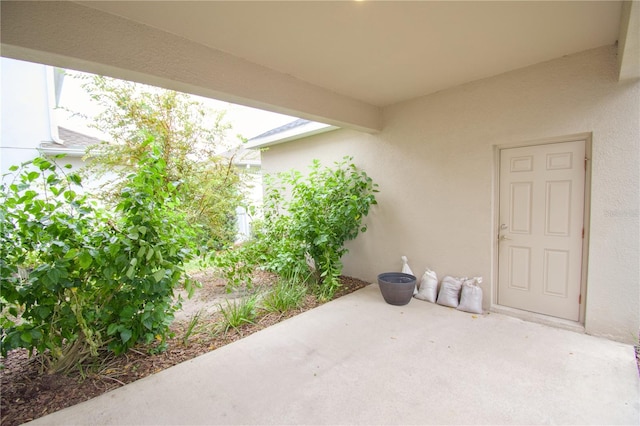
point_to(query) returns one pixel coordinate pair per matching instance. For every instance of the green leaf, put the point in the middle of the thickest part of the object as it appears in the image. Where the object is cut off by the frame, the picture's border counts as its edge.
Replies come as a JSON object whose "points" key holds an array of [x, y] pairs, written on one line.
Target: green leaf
{"points": [[127, 312], [43, 311], [125, 335], [54, 275], [85, 259], [74, 178], [44, 164], [130, 272], [111, 330], [26, 337], [69, 195], [70, 254], [159, 275]]}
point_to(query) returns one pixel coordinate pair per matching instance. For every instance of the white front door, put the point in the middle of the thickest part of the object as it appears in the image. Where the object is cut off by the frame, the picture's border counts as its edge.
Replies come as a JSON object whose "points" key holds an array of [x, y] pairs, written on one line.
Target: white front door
{"points": [[541, 228]]}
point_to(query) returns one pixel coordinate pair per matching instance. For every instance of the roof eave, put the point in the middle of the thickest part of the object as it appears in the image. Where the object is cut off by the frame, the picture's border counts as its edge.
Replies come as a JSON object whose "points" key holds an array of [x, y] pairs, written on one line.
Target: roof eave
{"points": [[310, 129], [69, 152]]}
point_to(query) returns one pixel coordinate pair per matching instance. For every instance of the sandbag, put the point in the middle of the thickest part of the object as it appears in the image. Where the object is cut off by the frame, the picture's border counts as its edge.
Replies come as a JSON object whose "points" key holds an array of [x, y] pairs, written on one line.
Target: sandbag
{"points": [[449, 294], [428, 289], [407, 270], [471, 297]]}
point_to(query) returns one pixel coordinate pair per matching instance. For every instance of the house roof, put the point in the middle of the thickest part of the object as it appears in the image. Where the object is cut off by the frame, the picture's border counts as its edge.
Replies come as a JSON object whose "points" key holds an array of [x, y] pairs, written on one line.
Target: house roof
{"points": [[75, 139], [73, 143], [335, 62], [278, 130], [296, 129]]}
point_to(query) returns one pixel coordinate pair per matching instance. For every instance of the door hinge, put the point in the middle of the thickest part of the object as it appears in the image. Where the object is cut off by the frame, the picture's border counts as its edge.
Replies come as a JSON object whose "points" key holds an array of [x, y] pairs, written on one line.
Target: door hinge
{"points": [[579, 299], [585, 163], [583, 233]]}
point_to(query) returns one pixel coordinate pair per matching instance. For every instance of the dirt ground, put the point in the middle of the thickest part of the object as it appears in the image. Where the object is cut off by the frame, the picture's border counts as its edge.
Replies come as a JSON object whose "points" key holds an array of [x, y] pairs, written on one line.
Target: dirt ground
{"points": [[28, 393]]}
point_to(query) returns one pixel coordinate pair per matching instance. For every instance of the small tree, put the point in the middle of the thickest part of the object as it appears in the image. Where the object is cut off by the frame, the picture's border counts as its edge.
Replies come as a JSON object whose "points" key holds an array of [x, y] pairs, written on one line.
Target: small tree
{"points": [[190, 138]]}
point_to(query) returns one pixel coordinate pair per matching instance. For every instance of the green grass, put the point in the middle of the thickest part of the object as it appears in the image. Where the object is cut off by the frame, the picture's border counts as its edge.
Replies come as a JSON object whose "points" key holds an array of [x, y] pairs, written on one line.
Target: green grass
{"points": [[239, 312], [190, 327], [284, 296]]}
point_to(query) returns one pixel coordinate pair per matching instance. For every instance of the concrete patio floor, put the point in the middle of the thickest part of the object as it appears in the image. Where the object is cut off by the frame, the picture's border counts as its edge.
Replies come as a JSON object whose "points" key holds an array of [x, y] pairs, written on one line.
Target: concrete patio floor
{"points": [[357, 360]]}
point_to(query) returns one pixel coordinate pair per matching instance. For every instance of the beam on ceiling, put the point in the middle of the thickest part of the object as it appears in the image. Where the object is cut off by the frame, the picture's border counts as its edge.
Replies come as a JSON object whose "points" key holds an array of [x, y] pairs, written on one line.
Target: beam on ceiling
{"points": [[69, 35], [629, 41]]}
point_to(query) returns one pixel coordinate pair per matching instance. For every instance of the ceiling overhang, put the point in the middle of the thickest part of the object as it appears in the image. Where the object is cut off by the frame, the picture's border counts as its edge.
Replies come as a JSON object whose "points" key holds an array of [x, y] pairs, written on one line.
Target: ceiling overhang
{"points": [[338, 63], [629, 42], [72, 36]]}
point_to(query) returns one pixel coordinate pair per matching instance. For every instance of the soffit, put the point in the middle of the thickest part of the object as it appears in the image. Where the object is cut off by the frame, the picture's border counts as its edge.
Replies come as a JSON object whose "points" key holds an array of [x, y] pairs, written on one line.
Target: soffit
{"points": [[383, 52]]}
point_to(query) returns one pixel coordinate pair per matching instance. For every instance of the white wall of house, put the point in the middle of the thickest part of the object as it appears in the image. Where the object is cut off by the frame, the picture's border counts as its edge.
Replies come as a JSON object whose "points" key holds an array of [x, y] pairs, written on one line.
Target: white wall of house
{"points": [[25, 111], [435, 163]]}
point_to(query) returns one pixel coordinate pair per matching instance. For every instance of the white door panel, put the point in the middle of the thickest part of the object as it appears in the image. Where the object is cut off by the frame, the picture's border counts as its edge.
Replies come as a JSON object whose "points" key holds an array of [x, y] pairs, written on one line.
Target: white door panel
{"points": [[541, 228]]}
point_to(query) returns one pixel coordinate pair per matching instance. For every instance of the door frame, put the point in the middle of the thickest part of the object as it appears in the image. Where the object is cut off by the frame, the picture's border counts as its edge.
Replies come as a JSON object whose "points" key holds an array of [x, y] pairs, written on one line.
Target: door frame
{"points": [[495, 307]]}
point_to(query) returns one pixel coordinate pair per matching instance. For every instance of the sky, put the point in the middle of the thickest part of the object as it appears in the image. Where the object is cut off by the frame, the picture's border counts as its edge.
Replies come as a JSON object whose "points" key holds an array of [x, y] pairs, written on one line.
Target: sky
{"points": [[248, 122]]}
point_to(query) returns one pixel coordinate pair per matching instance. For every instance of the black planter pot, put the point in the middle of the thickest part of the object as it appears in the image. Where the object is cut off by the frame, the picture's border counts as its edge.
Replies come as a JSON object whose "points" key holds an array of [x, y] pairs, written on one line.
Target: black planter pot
{"points": [[396, 287]]}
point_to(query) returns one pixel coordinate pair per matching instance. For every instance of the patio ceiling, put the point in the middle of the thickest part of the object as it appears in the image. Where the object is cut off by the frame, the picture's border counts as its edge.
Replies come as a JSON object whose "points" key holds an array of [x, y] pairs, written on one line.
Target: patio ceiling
{"points": [[336, 62]]}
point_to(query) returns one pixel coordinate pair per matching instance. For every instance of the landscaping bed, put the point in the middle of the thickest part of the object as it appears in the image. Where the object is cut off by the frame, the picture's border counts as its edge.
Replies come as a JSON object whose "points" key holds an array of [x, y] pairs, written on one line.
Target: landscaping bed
{"points": [[29, 392]]}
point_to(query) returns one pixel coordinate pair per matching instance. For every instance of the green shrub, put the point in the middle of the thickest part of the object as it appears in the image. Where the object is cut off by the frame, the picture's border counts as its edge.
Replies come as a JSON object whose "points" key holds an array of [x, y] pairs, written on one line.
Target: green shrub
{"points": [[91, 279], [325, 209], [302, 235]]}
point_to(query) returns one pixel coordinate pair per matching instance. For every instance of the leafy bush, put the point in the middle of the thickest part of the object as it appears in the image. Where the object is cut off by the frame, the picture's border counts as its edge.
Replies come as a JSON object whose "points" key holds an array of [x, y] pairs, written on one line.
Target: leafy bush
{"points": [[303, 234], [90, 279]]}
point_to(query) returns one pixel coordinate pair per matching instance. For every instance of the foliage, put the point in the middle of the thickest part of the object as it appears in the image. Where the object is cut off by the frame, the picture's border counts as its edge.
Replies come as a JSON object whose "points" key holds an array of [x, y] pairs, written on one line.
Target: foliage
{"points": [[239, 312], [189, 136], [325, 209], [303, 234], [284, 296], [91, 280], [195, 318], [237, 264]]}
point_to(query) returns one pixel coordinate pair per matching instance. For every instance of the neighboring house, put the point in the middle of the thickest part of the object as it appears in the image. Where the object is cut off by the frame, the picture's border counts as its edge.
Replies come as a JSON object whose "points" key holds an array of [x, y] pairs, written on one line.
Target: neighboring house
{"points": [[30, 94], [297, 129], [248, 162], [73, 144], [504, 135]]}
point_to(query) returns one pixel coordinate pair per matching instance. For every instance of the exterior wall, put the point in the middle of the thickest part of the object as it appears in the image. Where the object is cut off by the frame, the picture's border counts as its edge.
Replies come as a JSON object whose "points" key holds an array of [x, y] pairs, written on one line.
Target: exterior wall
{"points": [[25, 112], [435, 164], [26, 93]]}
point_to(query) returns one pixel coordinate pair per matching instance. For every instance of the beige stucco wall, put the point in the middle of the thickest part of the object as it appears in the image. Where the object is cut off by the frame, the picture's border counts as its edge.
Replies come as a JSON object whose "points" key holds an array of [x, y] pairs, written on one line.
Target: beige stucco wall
{"points": [[435, 164]]}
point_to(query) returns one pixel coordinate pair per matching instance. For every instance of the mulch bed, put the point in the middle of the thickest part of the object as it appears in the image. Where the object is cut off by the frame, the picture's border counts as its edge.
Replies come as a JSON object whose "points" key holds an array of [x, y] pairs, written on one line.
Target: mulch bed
{"points": [[28, 392]]}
